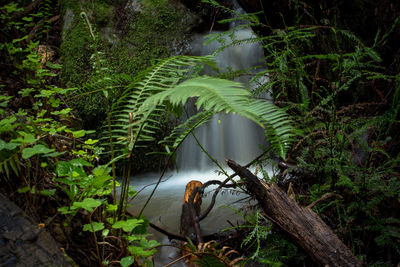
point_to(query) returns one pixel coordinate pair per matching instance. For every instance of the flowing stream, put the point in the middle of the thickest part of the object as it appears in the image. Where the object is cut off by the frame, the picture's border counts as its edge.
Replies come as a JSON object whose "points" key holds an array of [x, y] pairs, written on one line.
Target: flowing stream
{"points": [[225, 136]]}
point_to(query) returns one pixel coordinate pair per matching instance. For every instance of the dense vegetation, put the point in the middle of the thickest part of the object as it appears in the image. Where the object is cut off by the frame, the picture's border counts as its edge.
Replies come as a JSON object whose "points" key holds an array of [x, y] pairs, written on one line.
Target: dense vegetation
{"points": [[334, 124]]}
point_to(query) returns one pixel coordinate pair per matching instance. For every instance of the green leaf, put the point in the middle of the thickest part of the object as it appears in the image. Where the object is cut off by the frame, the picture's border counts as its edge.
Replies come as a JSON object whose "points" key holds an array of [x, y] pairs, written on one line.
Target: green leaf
{"points": [[8, 146], [140, 252], [25, 92], [77, 134], [64, 168], [127, 225], [27, 138], [27, 19], [100, 180], [105, 232], [7, 124], [61, 112], [66, 210], [37, 149], [70, 169], [24, 189], [91, 142], [131, 191], [127, 261], [55, 154], [219, 95], [87, 204], [101, 170], [80, 162], [53, 66], [50, 192], [112, 208], [97, 226]]}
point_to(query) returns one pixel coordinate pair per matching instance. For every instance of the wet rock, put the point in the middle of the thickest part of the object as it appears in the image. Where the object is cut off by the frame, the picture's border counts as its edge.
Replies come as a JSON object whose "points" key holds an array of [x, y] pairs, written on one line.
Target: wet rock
{"points": [[22, 243]]}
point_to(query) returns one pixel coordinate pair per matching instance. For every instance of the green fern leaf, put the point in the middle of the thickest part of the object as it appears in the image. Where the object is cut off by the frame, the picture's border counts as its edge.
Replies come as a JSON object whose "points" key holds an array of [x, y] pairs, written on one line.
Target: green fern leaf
{"points": [[218, 95]]}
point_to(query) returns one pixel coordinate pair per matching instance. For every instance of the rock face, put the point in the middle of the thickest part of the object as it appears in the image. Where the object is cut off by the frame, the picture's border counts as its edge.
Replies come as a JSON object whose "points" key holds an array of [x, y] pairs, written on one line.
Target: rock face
{"points": [[22, 243]]}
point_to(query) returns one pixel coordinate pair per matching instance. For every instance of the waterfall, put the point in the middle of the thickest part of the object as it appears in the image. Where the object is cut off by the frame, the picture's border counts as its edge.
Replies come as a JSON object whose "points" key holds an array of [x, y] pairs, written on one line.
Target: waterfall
{"points": [[226, 135]]}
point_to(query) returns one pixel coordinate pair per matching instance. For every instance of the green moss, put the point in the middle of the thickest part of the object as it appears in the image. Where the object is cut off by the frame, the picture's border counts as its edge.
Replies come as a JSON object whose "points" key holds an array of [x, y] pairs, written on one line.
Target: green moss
{"points": [[149, 36], [103, 14], [146, 36], [75, 55]]}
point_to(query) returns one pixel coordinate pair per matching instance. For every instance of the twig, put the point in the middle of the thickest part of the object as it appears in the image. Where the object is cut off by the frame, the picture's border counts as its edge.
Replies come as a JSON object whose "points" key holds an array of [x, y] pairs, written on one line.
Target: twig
{"points": [[157, 184], [138, 192], [324, 197], [223, 184]]}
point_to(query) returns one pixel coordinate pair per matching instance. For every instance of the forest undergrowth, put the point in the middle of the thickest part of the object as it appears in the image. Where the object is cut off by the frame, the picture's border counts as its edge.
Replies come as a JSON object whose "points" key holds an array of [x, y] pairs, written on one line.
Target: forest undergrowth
{"points": [[333, 126]]}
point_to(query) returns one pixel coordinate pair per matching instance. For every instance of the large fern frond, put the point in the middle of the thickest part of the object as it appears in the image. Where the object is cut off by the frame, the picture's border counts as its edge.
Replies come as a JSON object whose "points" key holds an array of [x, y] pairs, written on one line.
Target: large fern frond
{"points": [[217, 95], [181, 131], [131, 125]]}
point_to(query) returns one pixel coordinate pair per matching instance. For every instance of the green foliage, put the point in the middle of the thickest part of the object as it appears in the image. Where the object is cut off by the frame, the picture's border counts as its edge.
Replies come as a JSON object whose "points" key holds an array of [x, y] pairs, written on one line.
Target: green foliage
{"points": [[93, 227], [42, 155], [128, 225], [216, 95], [127, 261], [129, 47], [208, 254], [344, 98], [150, 35]]}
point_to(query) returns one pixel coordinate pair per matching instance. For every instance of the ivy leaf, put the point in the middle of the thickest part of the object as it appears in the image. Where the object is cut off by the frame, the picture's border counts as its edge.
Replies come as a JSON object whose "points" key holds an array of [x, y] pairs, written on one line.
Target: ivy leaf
{"points": [[80, 162], [91, 142], [78, 134], [7, 124], [64, 168], [8, 146], [97, 226], [50, 192], [37, 149], [140, 252], [112, 207], [127, 225], [27, 138], [87, 204], [127, 261], [24, 189], [105, 232], [66, 210]]}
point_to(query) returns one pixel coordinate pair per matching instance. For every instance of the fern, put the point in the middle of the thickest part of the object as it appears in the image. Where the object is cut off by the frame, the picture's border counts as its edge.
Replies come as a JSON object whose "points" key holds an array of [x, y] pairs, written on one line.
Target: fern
{"points": [[217, 95], [130, 125], [180, 132], [137, 113]]}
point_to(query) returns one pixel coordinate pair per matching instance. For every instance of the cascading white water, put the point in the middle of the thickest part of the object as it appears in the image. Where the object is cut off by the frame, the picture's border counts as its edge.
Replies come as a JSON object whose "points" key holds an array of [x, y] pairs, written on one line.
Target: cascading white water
{"points": [[226, 135]]}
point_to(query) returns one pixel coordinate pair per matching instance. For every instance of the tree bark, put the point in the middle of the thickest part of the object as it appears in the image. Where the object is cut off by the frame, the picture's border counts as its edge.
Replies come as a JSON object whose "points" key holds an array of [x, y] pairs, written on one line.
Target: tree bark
{"points": [[304, 226], [190, 226]]}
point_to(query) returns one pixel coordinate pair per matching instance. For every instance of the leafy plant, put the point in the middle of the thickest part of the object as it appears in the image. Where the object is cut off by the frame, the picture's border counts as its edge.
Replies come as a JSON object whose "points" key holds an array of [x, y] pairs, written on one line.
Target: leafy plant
{"points": [[341, 94]]}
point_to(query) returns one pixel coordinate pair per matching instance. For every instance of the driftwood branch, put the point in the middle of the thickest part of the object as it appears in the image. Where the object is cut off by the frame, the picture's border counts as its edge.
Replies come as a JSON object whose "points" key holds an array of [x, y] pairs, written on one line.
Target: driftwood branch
{"points": [[222, 184], [304, 226]]}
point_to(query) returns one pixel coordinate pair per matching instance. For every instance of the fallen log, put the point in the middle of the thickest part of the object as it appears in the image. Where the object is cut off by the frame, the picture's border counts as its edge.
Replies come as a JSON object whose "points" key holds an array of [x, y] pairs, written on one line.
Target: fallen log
{"points": [[304, 226]]}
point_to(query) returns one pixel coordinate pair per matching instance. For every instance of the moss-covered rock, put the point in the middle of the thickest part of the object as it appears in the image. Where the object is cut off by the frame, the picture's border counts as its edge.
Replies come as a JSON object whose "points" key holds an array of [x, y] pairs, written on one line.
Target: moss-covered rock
{"points": [[130, 34]]}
